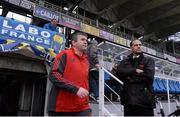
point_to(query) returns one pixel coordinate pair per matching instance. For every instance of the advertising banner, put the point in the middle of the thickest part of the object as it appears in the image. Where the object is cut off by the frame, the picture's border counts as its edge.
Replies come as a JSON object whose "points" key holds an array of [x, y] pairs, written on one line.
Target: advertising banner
{"points": [[128, 43], [46, 13], [16, 35], [15, 2], [27, 4], [120, 40], [70, 22], [90, 29], [178, 60], [106, 35], [111, 37], [22, 32], [63, 19]]}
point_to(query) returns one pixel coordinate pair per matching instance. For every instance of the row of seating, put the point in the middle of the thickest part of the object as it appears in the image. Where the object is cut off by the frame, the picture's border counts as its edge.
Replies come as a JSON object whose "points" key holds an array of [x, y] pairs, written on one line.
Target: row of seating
{"points": [[159, 85]]}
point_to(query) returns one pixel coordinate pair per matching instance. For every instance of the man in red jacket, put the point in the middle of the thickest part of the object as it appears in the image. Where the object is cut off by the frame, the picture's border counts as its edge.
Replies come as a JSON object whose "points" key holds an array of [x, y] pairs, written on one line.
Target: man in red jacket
{"points": [[69, 75]]}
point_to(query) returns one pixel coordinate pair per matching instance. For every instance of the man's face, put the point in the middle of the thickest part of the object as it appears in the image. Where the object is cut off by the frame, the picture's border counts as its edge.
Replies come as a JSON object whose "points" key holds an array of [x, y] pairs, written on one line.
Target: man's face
{"points": [[81, 43], [136, 47], [54, 22]]}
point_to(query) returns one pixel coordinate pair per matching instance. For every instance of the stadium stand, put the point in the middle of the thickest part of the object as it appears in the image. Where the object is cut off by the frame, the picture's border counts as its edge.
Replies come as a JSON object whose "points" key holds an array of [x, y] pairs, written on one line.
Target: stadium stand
{"points": [[27, 50]]}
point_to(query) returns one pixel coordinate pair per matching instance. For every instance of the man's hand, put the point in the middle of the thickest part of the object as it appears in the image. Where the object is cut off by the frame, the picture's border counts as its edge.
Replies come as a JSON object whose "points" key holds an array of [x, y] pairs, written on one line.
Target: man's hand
{"points": [[82, 92], [97, 66], [139, 71]]}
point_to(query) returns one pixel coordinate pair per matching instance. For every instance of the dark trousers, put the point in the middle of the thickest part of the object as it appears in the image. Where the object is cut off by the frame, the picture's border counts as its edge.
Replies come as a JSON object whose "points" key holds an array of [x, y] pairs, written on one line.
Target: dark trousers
{"points": [[3, 106], [131, 110], [94, 82], [81, 113]]}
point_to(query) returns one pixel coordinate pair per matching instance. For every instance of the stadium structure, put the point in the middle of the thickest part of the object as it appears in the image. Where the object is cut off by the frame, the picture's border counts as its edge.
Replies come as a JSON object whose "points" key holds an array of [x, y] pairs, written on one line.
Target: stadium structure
{"points": [[27, 50]]}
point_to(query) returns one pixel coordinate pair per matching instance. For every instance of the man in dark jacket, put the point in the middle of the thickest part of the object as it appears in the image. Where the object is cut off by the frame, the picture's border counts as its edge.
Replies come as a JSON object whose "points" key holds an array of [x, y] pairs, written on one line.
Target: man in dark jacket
{"points": [[93, 68], [137, 73], [69, 94]]}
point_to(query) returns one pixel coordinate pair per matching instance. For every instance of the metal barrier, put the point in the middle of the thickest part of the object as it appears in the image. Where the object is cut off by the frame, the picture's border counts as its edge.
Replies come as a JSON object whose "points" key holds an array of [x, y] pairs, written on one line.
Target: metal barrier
{"points": [[166, 71], [103, 111]]}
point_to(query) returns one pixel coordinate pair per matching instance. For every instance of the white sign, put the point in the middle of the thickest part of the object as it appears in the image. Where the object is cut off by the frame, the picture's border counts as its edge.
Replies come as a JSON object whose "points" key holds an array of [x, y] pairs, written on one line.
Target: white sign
{"points": [[27, 4]]}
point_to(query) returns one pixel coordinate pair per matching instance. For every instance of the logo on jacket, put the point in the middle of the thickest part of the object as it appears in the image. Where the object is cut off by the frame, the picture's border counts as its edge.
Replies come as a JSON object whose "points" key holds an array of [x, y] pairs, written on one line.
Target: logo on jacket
{"points": [[73, 60], [141, 66]]}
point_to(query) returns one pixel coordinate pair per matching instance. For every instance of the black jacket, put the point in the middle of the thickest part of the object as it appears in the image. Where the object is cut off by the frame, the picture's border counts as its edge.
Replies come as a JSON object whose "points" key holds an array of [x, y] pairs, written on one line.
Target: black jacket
{"points": [[92, 56], [137, 88]]}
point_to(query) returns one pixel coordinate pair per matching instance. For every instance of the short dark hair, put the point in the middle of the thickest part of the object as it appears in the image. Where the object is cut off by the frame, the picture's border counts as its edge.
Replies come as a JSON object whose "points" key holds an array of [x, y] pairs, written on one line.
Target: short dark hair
{"points": [[53, 19], [75, 34], [131, 43]]}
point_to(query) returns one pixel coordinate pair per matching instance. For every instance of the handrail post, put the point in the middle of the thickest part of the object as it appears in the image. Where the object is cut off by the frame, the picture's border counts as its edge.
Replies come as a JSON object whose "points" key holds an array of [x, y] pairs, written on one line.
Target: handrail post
{"points": [[101, 91]]}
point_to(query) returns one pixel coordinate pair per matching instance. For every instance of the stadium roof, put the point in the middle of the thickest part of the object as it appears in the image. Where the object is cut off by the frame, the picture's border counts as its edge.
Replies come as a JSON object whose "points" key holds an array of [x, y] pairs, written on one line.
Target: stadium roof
{"points": [[147, 17], [159, 18]]}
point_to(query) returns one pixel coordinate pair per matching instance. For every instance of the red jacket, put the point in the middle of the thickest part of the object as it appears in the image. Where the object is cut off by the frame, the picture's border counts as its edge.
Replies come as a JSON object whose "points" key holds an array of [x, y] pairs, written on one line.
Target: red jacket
{"points": [[69, 72]]}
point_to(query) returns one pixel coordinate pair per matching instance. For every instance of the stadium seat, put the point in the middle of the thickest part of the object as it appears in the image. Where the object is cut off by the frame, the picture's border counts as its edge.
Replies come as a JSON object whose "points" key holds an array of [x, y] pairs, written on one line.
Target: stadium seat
{"points": [[172, 88], [156, 86], [106, 76], [161, 86], [177, 86]]}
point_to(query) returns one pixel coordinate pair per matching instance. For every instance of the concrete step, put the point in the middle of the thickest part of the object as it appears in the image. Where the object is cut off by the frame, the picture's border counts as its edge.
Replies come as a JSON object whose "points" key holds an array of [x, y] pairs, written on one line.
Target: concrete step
{"points": [[115, 110]]}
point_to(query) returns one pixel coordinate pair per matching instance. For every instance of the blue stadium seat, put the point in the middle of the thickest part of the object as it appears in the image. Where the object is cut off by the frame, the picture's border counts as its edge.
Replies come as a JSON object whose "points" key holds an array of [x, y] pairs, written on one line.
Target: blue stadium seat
{"points": [[106, 76], [172, 88], [161, 86], [164, 82], [106, 79], [114, 85], [156, 86], [177, 86]]}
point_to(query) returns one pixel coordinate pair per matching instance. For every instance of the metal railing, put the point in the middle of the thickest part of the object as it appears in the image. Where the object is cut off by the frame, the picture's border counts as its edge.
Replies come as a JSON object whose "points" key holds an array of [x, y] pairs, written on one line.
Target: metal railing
{"points": [[103, 111], [164, 70]]}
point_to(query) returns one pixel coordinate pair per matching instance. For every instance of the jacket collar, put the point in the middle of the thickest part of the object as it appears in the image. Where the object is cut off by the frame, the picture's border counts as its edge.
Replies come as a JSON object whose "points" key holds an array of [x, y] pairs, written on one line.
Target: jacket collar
{"points": [[139, 58], [83, 56]]}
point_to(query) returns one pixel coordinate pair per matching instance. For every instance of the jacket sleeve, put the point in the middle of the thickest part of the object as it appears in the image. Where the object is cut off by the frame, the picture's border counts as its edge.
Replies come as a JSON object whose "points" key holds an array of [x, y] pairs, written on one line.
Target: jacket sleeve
{"points": [[149, 70], [123, 71], [46, 26], [56, 74], [57, 30]]}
